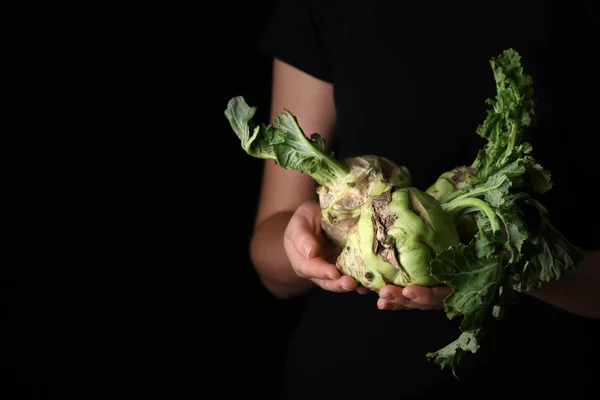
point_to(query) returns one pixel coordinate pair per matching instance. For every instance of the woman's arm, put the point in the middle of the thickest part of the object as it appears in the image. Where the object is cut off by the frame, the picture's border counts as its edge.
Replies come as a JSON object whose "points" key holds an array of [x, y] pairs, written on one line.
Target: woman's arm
{"points": [[577, 292], [283, 191]]}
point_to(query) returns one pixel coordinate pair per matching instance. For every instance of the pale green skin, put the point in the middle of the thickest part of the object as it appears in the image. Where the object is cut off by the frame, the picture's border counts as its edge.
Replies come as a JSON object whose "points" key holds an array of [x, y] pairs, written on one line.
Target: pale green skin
{"points": [[420, 230], [343, 200], [389, 231], [448, 182]]}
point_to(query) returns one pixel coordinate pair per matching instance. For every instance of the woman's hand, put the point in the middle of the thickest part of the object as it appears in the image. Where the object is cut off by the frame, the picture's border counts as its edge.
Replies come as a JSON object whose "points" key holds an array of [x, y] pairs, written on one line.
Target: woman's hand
{"points": [[412, 297], [313, 255]]}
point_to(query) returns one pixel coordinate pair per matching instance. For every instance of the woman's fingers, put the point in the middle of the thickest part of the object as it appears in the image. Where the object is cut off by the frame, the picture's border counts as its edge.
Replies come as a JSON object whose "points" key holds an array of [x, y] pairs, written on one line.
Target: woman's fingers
{"points": [[431, 297], [362, 290], [301, 240], [412, 297], [316, 268], [341, 285]]}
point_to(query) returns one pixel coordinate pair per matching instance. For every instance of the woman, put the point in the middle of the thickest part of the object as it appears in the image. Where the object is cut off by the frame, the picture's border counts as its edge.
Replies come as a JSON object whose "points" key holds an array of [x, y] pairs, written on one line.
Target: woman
{"points": [[408, 82]]}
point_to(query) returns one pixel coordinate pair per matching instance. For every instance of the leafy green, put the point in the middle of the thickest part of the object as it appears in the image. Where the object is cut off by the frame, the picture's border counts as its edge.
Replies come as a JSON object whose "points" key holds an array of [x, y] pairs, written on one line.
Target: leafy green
{"points": [[497, 240], [511, 111], [515, 247], [284, 142], [549, 253], [477, 284]]}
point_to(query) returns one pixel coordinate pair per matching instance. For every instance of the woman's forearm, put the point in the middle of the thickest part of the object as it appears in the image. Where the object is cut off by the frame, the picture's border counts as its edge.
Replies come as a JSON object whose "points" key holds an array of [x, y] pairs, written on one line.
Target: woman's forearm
{"points": [[271, 261], [576, 292]]}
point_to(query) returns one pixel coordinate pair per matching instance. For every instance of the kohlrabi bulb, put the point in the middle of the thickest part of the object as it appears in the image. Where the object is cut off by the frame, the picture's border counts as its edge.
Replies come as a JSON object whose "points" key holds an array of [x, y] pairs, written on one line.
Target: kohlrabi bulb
{"points": [[398, 234], [342, 201]]}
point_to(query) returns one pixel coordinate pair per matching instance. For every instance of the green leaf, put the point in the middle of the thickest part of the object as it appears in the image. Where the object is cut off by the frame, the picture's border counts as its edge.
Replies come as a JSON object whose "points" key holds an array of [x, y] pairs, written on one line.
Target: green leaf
{"points": [[452, 354], [514, 237], [478, 283], [473, 278], [284, 142], [486, 241], [511, 111], [515, 230], [298, 152], [545, 254], [478, 188], [540, 178], [551, 256]]}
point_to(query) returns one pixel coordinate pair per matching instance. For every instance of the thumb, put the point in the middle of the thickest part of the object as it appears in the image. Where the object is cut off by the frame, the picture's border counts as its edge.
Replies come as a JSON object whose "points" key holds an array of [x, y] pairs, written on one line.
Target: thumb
{"points": [[303, 229], [304, 247]]}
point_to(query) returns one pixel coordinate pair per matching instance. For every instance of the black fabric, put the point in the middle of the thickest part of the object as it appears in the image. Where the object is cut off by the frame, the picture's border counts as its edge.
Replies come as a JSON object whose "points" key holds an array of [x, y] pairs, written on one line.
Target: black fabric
{"points": [[296, 34], [410, 82]]}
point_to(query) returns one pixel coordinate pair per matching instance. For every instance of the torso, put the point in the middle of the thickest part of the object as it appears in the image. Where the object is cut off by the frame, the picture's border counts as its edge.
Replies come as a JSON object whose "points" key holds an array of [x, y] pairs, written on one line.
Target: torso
{"points": [[418, 101]]}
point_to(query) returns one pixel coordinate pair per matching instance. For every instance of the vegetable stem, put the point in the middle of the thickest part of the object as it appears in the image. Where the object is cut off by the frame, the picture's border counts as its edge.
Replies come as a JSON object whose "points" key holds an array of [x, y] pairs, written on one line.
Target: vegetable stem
{"points": [[514, 132], [285, 143], [470, 202], [339, 169]]}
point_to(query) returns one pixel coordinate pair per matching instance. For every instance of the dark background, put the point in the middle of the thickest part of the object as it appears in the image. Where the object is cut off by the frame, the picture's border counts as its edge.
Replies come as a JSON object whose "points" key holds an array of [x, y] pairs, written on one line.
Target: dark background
{"points": [[134, 204]]}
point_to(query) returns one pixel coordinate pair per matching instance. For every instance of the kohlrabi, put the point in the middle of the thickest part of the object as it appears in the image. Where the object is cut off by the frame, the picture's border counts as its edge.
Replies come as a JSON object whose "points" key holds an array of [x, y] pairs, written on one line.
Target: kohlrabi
{"points": [[479, 229], [389, 231], [507, 241]]}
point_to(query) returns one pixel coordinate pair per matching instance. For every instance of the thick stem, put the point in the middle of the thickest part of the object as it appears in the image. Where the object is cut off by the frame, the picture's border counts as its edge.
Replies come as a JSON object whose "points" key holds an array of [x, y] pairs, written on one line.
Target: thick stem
{"points": [[338, 169], [325, 177], [285, 143], [516, 126], [470, 202], [328, 176]]}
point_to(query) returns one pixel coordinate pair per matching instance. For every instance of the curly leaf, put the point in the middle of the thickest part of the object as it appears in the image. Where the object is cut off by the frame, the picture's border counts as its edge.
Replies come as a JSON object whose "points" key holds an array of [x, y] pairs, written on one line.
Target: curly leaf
{"points": [[477, 284], [512, 110], [451, 354], [284, 142]]}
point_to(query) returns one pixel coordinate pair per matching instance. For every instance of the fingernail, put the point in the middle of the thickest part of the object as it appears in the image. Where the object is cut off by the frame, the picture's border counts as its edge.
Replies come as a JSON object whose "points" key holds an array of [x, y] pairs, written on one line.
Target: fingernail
{"points": [[387, 296], [307, 250], [410, 295], [346, 288]]}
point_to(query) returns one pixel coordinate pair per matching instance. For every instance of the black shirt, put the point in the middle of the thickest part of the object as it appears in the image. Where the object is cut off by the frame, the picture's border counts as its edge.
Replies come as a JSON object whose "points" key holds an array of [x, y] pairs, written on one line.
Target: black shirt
{"points": [[410, 82]]}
